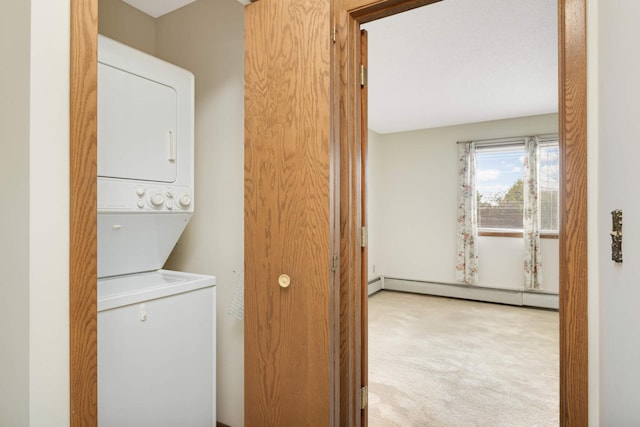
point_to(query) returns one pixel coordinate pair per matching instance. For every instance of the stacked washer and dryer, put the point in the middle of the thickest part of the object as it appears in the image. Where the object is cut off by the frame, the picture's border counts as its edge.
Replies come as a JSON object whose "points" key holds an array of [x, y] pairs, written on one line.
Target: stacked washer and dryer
{"points": [[156, 328]]}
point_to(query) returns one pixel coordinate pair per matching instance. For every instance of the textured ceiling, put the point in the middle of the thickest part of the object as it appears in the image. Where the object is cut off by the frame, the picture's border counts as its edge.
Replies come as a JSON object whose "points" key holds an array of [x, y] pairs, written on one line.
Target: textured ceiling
{"points": [[453, 62], [462, 61]]}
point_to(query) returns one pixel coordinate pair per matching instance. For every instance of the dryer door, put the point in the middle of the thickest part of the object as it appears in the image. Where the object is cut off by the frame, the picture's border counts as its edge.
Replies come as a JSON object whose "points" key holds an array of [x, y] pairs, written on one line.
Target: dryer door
{"points": [[137, 127]]}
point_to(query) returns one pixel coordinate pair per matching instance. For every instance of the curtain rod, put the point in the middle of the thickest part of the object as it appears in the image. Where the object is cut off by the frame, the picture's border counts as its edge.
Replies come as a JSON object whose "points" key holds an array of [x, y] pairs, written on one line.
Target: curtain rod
{"points": [[509, 140]]}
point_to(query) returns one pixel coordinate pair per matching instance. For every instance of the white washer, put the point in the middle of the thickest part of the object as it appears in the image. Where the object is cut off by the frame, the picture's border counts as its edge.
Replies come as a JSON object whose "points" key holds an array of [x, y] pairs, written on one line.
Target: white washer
{"points": [[156, 328], [156, 350]]}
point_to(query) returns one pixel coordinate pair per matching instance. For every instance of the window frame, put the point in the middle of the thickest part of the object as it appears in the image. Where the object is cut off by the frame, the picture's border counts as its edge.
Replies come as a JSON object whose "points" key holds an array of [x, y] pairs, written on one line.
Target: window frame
{"points": [[514, 232]]}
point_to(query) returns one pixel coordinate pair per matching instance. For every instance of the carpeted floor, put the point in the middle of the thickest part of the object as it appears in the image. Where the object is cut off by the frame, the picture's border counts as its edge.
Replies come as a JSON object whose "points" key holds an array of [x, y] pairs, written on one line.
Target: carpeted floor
{"points": [[446, 362]]}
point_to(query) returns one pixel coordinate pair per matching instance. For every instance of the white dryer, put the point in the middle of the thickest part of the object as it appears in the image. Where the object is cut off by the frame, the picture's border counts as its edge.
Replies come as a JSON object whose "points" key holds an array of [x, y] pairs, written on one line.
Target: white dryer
{"points": [[145, 158], [156, 328]]}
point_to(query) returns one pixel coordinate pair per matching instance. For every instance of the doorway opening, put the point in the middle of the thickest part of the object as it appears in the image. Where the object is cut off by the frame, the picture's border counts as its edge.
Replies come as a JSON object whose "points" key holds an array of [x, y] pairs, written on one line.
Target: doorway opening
{"points": [[469, 72]]}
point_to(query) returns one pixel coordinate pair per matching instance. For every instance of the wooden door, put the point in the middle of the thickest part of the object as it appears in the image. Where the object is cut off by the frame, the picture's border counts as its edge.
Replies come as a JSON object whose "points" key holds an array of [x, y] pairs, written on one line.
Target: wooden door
{"points": [[289, 334], [364, 266]]}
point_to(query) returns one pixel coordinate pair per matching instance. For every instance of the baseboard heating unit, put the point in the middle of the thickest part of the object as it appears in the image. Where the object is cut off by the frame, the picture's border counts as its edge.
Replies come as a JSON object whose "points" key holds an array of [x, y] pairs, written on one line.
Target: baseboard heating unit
{"points": [[527, 298]]}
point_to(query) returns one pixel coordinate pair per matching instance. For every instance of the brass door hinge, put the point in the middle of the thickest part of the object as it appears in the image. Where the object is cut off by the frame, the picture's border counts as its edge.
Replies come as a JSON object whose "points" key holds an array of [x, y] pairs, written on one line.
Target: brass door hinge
{"points": [[363, 75], [364, 397], [333, 34], [334, 263], [363, 237]]}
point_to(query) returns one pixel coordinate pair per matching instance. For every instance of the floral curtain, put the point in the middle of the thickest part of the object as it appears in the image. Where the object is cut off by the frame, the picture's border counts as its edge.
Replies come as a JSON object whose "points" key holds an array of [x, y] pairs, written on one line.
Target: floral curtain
{"points": [[467, 227], [531, 216]]}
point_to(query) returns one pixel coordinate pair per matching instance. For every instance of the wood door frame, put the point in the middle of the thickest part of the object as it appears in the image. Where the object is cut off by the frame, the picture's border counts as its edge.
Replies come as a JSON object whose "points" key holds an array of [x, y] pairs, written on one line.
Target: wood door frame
{"points": [[364, 251], [572, 94], [83, 251]]}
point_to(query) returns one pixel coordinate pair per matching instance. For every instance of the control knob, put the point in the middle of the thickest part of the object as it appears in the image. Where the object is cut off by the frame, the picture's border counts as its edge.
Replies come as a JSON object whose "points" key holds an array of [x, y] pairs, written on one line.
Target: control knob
{"points": [[157, 199], [184, 200]]}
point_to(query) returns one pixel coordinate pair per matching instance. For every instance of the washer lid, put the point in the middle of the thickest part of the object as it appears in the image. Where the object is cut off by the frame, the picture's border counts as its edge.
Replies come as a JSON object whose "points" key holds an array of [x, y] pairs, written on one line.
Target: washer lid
{"points": [[119, 291]]}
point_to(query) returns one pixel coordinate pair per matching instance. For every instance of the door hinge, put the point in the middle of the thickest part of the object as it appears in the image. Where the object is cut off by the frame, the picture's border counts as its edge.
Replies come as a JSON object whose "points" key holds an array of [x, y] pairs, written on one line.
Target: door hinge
{"points": [[363, 237], [363, 75], [334, 263], [364, 397], [333, 34]]}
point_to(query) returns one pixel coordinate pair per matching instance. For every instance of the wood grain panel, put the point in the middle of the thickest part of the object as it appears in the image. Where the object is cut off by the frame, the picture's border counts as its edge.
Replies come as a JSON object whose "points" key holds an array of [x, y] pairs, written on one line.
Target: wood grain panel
{"points": [[573, 204], [288, 206], [83, 229]]}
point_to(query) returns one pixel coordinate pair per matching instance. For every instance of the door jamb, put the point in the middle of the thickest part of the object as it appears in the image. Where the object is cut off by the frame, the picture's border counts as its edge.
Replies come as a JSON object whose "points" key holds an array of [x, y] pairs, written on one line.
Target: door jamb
{"points": [[83, 252], [572, 94]]}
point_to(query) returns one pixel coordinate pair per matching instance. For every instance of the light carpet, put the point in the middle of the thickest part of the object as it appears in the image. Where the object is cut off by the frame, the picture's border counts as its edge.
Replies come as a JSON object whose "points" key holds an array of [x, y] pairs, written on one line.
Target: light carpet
{"points": [[446, 362]]}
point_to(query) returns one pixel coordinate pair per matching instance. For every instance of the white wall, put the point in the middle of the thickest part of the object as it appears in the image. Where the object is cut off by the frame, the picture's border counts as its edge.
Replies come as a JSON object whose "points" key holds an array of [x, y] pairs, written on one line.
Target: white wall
{"points": [[414, 199], [34, 174], [618, 159], [49, 213], [126, 24], [207, 37], [500, 262], [373, 162], [15, 27]]}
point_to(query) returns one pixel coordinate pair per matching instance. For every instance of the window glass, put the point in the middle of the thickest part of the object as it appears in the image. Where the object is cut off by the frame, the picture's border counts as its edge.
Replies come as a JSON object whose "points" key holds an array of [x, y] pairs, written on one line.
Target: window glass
{"points": [[499, 186], [499, 183]]}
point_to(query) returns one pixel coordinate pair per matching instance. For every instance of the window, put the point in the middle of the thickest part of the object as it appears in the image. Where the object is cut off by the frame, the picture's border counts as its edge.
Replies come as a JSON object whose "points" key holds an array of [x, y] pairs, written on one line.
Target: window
{"points": [[499, 183]]}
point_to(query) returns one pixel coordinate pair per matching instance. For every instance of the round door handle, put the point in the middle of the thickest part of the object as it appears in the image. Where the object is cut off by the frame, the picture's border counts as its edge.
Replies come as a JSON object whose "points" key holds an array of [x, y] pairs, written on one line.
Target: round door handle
{"points": [[284, 281]]}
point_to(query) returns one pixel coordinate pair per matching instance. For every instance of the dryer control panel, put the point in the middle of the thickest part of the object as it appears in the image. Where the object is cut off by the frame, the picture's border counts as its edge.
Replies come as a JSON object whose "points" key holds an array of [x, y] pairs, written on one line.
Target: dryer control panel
{"points": [[118, 196], [163, 198]]}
